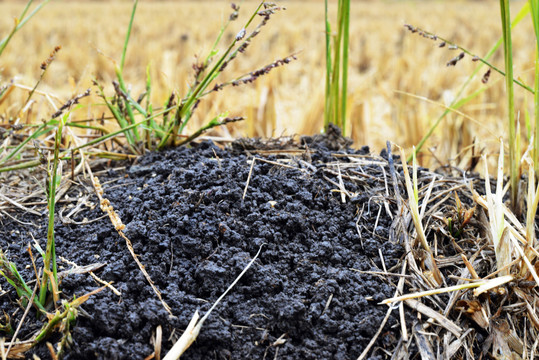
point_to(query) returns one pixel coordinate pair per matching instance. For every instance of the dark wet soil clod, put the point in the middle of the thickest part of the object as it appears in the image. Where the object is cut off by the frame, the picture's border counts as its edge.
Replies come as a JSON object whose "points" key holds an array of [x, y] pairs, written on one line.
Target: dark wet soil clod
{"points": [[187, 220]]}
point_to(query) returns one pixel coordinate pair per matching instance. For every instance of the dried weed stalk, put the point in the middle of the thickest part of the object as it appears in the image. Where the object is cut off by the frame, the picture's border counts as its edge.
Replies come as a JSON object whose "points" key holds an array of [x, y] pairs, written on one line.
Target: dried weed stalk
{"points": [[119, 226]]}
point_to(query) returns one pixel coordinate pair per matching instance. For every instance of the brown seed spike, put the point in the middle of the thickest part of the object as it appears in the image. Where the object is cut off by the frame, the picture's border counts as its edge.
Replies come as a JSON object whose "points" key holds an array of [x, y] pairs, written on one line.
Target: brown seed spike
{"points": [[455, 60], [410, 27], [485, 78]]}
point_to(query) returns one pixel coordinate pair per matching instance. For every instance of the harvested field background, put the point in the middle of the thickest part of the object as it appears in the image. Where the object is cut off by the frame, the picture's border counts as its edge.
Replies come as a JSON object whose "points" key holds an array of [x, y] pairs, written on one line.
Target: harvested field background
{"points": [[384, 58]]}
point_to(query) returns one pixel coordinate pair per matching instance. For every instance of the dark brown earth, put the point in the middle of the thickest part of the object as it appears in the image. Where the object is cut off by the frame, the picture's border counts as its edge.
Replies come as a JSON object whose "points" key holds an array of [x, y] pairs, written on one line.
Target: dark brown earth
{"points": [[194, 233]]}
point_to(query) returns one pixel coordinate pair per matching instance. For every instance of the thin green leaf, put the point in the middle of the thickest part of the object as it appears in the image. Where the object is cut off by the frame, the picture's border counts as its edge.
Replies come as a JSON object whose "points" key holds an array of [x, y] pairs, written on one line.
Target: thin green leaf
{"points": [[21, 23]]}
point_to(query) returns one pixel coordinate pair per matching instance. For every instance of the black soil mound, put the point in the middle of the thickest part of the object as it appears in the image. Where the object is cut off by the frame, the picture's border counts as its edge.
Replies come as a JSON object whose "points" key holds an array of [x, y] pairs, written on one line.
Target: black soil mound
{"points": [[311, 294]]}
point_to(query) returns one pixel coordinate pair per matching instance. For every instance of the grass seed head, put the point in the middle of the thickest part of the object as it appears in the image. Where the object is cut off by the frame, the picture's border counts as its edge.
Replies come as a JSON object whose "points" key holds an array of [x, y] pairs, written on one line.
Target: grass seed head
{"points": [[45, 64], [241, 34], [456, 59], [234, 15], [73, 101], [486, 76]]}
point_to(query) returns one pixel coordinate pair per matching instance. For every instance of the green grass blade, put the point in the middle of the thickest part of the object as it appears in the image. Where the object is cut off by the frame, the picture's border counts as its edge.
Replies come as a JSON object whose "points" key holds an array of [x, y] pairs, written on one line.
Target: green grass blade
{"points": [[41, 130], [534, 5], [148, 132], [53, 184], [335, 77], [9, 271], [536, 111], [508, 56], [327, 108], [219, 120], [119, 75], [118, 132], [90, 127], [21, 23], [122, 122], [24, 165], [128, 104], [346, 37], [122, 62], [336, 95]]}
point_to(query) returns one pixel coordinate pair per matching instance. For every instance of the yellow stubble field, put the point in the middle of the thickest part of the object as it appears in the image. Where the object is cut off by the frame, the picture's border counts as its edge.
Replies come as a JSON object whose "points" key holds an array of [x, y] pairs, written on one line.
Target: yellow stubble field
{"points": [[387, 65]]}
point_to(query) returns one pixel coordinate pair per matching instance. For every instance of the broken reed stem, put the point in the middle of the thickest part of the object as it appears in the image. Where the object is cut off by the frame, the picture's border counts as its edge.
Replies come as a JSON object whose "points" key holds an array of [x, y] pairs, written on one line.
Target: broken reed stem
{"points": [[249, 178], [158, 341], [119, 226], [96, 278], [487, 284], [146, 275]]}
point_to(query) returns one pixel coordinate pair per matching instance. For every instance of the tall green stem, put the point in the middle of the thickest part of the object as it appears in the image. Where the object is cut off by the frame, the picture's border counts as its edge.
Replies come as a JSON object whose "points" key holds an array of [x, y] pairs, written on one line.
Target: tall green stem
{"points": [[337, 68], [508, 54], [128, 35], [534, 6], [536, 112], [346, 37], [327, 107], [54, 180]]}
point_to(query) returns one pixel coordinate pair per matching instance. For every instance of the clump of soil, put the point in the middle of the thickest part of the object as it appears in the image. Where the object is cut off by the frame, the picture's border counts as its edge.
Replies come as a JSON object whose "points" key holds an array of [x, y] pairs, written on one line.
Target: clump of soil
{"points": [[311, 294]]}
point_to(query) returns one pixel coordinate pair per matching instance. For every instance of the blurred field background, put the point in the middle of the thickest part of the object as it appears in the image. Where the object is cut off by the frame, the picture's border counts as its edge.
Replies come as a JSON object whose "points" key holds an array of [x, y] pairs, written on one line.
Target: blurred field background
{"points": [[384, 58]]}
